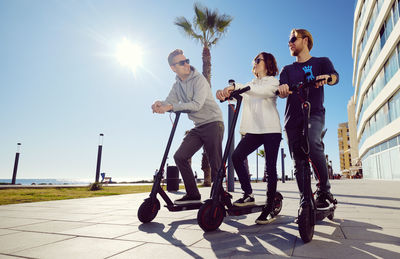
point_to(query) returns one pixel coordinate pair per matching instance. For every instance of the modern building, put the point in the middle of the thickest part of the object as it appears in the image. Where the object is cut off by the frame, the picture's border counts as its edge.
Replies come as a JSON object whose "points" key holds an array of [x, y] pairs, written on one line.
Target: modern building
{"points": [[352, 126], [344, 149], [376, 81]]}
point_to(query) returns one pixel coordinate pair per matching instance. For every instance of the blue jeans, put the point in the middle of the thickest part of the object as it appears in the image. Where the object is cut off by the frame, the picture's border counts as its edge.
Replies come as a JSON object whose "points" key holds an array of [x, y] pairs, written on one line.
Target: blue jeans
{"points": [[296, 141], [246, 146]]}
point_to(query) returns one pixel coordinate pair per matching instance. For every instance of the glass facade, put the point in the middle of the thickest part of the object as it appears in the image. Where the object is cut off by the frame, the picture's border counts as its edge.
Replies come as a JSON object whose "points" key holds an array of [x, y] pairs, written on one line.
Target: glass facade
{"points": [[382, 161]]}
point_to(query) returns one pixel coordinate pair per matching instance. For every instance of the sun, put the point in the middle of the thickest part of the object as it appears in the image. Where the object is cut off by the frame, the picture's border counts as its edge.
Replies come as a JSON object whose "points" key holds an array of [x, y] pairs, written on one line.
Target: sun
{"points": [[129, 54]]}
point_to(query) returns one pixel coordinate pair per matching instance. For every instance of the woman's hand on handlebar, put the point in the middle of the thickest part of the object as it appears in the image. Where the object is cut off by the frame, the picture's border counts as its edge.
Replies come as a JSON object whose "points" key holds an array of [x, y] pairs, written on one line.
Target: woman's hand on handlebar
{"points": [[225, 93], [284, 91]]}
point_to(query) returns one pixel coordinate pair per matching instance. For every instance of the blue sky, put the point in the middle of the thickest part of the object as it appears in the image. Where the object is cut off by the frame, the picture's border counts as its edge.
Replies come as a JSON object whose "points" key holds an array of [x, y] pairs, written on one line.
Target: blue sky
{"points": [[61, 84]]}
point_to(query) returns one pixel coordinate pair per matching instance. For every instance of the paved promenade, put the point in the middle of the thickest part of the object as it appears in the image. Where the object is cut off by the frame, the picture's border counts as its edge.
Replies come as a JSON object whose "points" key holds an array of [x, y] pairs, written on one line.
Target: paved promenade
{"points": [[366, 225]]}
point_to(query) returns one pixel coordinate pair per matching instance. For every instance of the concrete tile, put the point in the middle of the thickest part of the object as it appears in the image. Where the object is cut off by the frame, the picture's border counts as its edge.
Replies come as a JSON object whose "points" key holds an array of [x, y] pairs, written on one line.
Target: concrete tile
{"points": [[367, 223], [275, 242], [9, 222], [53, 226], [23, 240], [3, 256], [101, 231], [167, 252], [7, 231], [79, 247], [325, 248], [377, 234], [163, 234], [364, 226], [114, 219]]}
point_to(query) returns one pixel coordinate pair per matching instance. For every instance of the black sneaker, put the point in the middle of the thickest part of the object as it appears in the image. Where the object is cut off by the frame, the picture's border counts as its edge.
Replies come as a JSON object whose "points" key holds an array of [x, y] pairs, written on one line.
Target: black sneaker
{"points": [[266, 217], [322, 199], [247, 200], [188, 200]]}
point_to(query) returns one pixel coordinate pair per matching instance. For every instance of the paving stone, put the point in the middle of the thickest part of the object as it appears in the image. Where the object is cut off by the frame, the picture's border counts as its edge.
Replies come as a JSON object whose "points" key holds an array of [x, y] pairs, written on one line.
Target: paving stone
{"points": [[365, 226], [23, 240], [79, 247]]}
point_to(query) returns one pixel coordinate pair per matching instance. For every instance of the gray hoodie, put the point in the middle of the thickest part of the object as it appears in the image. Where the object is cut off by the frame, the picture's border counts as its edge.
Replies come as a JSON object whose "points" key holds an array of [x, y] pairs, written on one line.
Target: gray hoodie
{"points": [[194, 97]]}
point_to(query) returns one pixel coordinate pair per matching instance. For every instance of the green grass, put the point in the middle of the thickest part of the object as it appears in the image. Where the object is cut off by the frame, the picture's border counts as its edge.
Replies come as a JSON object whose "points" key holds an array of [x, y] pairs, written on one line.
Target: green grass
{"points": [[23, 195]]}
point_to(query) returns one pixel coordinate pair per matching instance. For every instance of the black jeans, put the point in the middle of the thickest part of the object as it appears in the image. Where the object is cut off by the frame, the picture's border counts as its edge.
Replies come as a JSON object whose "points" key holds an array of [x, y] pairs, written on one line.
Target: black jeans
{"points": [[296, 142], [246, 146], [210, 135]]}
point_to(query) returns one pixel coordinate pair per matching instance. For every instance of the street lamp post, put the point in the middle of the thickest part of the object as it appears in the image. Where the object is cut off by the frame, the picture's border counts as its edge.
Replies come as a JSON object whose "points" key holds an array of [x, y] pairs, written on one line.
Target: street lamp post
{"points": [[257, 165], [283, 155], [99, 151], [16, 164]]}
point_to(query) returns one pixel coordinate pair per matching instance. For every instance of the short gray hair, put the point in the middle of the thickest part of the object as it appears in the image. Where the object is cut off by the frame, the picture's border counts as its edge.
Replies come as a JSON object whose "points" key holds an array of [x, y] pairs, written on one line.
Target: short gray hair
{"points": [[174, 54]]}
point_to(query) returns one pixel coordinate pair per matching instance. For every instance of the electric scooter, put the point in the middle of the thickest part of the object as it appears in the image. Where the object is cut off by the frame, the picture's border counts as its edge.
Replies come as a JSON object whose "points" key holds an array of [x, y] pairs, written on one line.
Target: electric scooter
{"points": [[308, 213], [212, 211], [149, 208]]}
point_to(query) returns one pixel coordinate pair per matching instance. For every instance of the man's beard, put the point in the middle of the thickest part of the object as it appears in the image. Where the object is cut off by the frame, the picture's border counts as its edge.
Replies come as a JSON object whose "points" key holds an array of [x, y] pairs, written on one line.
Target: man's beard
{"points": [[295, 53]]}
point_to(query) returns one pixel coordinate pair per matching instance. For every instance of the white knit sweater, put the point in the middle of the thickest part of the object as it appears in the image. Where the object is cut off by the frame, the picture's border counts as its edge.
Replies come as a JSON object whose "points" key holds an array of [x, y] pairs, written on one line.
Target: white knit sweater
{"points": [[259, 113]]}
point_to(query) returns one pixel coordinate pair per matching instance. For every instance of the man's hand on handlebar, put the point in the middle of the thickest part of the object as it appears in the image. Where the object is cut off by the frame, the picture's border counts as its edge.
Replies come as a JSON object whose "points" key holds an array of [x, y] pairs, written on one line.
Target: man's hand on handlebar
{"points": [[322, 80], [283, 91], [159, 107], [225, 93]]}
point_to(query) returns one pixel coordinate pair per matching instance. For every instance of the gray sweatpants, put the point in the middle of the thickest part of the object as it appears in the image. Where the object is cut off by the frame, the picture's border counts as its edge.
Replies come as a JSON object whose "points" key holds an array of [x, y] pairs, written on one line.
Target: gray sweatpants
{"points": [[210, 135]]}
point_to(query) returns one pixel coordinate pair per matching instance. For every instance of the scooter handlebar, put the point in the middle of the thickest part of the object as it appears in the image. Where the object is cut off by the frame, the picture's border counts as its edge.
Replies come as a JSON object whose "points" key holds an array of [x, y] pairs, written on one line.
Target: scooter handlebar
{"points": [[236, 93], [301, 84]]}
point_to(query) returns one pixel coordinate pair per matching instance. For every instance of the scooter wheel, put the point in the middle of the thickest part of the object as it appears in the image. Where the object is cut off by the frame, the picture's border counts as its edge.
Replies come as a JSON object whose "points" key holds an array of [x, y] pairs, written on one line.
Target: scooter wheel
{"points": [[330, 216], [306, 228], [210, 218], [148, 210], [278, 203]]}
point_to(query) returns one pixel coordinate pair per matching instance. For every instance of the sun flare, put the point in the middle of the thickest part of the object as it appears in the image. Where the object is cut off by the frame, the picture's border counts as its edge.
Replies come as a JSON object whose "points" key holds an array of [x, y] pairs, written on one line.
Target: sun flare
{"points": [[129, 54]]}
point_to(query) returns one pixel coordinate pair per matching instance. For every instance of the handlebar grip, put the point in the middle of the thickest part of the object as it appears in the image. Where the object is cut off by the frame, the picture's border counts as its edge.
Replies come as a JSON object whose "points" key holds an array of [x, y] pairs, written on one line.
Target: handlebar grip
{"points": [[240, 91], [235, 93], [301, 83]]}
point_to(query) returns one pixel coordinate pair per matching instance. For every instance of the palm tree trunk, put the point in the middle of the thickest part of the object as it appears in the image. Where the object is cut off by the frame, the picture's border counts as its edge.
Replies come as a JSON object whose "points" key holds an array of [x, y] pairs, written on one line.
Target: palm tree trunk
{"points": [[207, 63], [205, 165]]}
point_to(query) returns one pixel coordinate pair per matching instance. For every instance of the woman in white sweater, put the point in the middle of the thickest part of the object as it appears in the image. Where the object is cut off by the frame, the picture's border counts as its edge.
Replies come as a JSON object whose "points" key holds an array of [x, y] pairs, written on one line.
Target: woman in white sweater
{"points": [[260, 125]]}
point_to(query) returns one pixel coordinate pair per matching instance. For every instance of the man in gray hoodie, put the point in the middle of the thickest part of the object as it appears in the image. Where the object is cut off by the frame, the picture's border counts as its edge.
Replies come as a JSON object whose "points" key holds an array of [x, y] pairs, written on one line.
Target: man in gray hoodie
{"points": [[192, 94]]}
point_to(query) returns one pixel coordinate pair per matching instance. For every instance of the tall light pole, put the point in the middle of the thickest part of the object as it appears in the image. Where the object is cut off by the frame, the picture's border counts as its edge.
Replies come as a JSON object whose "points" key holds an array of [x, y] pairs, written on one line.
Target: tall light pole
{"points": [[16, 164], [99, 151], [257, 165], [283, 155]]}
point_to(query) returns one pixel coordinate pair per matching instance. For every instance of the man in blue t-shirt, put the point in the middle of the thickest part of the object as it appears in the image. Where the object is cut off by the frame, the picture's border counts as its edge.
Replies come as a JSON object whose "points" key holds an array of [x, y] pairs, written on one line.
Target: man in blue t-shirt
{"points": [[307, 68]]}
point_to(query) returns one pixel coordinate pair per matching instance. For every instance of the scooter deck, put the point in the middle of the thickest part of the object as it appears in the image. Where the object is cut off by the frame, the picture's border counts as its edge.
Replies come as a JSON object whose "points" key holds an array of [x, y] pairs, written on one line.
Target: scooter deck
{"points": [[189, 206], [237, 211], [323, 213]]}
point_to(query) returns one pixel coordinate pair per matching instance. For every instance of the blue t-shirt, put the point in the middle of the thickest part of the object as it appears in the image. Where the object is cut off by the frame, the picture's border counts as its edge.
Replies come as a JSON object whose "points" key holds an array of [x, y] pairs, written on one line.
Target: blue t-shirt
{"points": [[301, 72]]}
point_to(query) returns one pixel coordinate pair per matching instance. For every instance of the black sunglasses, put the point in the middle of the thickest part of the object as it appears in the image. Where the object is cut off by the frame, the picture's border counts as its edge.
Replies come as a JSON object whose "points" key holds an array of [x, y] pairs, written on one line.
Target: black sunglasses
{"points": [[257, 60], [294, 38], [182, 62]]}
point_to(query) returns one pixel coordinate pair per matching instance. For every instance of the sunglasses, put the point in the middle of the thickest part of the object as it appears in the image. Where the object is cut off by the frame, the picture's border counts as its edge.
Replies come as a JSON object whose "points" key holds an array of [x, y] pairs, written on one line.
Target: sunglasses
{"points": [[257, 60], [293, 39], [182, 62]]}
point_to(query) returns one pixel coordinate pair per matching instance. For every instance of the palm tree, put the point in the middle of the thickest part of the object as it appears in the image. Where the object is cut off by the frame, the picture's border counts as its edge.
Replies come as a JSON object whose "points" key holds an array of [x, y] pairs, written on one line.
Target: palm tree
{"points": [[208, 27]]}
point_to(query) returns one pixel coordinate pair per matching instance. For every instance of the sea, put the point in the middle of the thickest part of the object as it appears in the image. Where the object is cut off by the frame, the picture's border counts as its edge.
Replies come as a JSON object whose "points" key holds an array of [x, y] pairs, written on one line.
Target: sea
{"points": [[66, 181], [47, 181]]}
